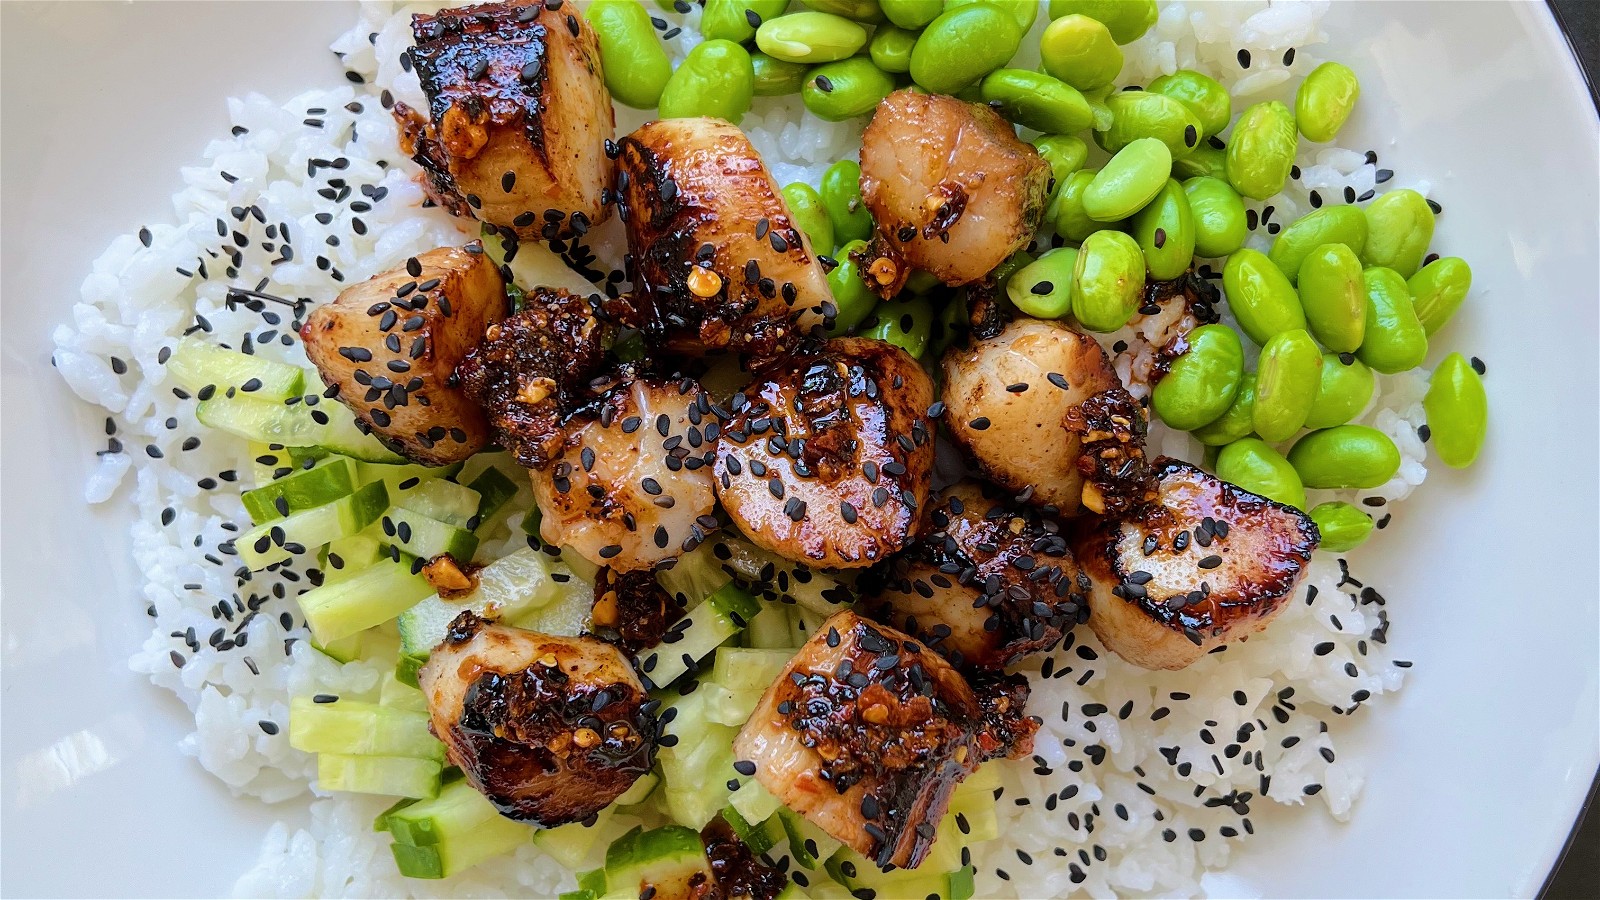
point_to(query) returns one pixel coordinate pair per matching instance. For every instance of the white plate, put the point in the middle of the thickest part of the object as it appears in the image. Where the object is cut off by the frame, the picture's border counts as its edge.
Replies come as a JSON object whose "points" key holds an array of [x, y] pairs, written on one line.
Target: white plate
{"points": [[1476, 770]]}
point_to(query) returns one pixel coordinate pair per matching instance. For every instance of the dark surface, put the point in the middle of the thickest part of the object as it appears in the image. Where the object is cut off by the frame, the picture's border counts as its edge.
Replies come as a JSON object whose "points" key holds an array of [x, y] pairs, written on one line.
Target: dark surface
{"points": [[1577, 876]]}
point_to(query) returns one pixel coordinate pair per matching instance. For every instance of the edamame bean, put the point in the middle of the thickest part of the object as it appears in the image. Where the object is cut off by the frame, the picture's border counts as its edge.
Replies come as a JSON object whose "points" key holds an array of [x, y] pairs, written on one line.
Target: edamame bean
{"points": [[1220, 225], [1399, 229], [867, 11], [1253, 465], [1394, 340], [903, 323], [1022, 12], [1458, 411], [962, 45], [1261, 297], [1079, 50], [891, 47], [1064, 153], [845, 89], [841, 196], [851, 295], [776, 78], [1261, 150], [1107, 281], [911, 14], [1036, 100], [808, 215], [1345, 225], [1287, 376], [1128, 20], [1343, 391], [1325, 100], [810, 37], [1204, 97], [1071, 221], [1235, 422], [1334, 297], [1202, 383], [1204, 161], [1003, 272], [1131, 179], [715, 79], [1141, 114], [635, 64], [1043, 288], [731, 20], [1438, 289], [1345, 456], [1343, 527], [1165, 232]]}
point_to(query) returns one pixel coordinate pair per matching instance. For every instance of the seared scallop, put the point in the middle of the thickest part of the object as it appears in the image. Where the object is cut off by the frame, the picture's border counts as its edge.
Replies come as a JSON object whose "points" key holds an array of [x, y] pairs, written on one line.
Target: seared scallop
{"points": [[951, 186], [1171, 309], [1206, 564], [390, 346], [867, 732], [532, 370], [630, 485], [631, 608], [720, 260], [1040, 412], [518, 116], [827, 457], [550, 729], [987, 583]]}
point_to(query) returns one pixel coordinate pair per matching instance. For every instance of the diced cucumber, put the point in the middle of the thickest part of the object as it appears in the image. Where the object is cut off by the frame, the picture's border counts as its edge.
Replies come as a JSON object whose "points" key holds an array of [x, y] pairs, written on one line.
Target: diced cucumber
{"points": [[393, 776], [754, 802], [694, 577], [495, 490], [727, 707], [808, 844], [394, 475], [348, 557], [456, 854], [507, 587], [377, 595], [743, 669], [666, 858], [571, 844], [273, 542], [772, 628], [855, 872], [456, 811], [723, 615], [345, 649], [697, 768], [275, 422], [757, 837], [327, 481], [785, 581], [396, 694], [534, 265], [441, 499], [568, 613], [195, 364], [590, 886], [357, 728], [272, 461], [640, 790], [425, 537], [407, 667], [380, 644]]}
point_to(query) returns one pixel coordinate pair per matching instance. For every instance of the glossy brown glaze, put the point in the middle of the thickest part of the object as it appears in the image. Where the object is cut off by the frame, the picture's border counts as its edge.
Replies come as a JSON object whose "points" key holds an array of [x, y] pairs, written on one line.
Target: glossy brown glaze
{"points": [[631, 609], [1111, 428], [1169, 311], [738, 873], [827, 458]]}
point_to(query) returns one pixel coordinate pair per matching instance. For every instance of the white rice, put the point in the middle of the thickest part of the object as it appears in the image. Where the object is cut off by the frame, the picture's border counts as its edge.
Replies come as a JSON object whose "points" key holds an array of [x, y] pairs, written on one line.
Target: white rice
{"points": [[1150, 791]]}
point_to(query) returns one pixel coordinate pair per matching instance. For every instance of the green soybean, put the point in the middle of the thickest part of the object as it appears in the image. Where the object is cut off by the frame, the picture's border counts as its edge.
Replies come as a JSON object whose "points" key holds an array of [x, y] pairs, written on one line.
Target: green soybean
{"points": [[1036, 100], [1128, 20], [845, 89], [1009, 266], [810, 37], [1097, 106], [1345, 456], [1043, 287], [851, 295], [1079, 50], [1202, 383], [809, 215], [911, 14], [1235, 422], [1287, 376], [1399, 229], [1343, 391], [891, 47], [867, 11], [776, 78], [715, 79], [1458, 411], [841, 196], [1107, 281], [1394, 340], [1203, 96], [1204, 161], [903, 323], [1141, 114], [729, 20], [1261, 297], [1064, 153], [1345, 225], [1261, 150], [1438, 289], [1022, 12], [1166, 233], [1220, 225], [1253, 465], [1334, 297], [1325, 100], [1070, 220], [1343, 527], [952, 325], [962, 45], [635, 64], [921, 281], [1129, 180]]}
